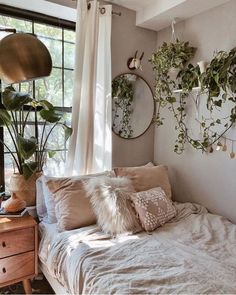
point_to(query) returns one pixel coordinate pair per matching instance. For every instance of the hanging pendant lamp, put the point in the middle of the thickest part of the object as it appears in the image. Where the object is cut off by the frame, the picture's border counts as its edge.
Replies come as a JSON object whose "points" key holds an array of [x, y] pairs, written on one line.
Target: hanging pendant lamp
{"points": [[23, 57]]}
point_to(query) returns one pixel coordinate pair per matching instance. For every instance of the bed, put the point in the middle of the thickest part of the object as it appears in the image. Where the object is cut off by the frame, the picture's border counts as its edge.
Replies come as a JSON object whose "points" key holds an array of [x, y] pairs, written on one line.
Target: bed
{"points": [[193, 253]]}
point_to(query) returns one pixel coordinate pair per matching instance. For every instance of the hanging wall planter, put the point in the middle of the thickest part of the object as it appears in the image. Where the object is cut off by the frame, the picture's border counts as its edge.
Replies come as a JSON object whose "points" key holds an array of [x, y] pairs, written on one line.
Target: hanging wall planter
{"points": [[217, 82]]}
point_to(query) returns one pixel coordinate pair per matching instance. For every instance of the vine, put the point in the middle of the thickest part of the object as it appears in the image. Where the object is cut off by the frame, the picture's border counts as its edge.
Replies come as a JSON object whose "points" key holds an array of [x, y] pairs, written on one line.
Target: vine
{"points": [[217, 83], [122, 96]]}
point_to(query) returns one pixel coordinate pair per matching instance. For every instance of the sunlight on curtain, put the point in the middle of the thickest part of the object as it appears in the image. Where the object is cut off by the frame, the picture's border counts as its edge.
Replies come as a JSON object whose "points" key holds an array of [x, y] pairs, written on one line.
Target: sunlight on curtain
{"points": [[90, 145]]}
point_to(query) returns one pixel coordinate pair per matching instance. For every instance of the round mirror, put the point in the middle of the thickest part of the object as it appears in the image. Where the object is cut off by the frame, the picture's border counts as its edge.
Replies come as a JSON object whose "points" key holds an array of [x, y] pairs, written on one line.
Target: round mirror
{"points": [[132, 105]]}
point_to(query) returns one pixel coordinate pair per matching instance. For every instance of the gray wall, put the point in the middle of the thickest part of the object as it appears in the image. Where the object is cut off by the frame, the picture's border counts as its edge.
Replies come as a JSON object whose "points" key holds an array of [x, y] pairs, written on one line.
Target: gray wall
{"points": [[197, 177], [126, 39]]}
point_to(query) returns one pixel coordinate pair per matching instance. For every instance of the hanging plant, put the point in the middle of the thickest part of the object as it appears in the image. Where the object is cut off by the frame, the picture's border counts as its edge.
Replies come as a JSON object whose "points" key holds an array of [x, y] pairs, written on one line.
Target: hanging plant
{"points": [[218, 83], [165, 59], [122, 96]]}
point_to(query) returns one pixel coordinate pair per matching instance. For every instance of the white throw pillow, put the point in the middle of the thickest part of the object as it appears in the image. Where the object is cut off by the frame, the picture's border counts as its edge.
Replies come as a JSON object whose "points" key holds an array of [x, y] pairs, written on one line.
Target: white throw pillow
{"points": [[40, 202], [110, 198]]}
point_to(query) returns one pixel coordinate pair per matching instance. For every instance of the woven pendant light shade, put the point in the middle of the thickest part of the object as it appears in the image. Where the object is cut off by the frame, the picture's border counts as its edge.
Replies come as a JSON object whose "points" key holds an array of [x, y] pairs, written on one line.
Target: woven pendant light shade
{"points": [[23, 57]]}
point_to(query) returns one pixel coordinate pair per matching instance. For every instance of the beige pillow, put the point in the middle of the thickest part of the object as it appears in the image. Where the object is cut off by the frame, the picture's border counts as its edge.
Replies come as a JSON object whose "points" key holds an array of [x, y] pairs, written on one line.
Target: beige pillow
{"points": [[153, 207], [110, 198], [145, 178], [72, 206]]}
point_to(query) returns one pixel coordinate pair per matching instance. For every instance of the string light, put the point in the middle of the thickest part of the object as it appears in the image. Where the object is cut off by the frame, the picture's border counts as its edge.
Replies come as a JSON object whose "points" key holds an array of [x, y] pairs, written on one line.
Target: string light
{"points": [[224, 148], [232, 154], [218, 146]]}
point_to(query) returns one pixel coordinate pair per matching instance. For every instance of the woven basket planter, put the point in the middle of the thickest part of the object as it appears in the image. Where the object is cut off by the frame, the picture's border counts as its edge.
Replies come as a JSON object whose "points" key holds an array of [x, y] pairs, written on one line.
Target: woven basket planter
{"points": [[24, 189]]}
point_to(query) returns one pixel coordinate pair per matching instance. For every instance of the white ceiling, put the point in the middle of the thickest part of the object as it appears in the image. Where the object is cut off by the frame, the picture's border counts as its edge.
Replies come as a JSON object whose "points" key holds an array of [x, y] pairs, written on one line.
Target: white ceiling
{"points": [[133, 4], [158, 14]]}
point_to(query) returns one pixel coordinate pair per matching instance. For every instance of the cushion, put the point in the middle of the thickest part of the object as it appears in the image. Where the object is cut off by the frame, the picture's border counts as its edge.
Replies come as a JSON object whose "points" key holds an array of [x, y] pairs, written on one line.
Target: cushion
{"points": [[153, 207], [145, 178], [110, 198], [72, 207], [40, 201]]}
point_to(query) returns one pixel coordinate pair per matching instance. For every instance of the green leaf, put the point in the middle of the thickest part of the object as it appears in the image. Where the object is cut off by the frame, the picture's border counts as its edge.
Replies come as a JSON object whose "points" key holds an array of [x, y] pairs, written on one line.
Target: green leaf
{"points": [[29, 168], [51, 154], [46, 104], [218, 103], [171, 99], [51, 115], [68, 131], [27, 147], [13, 100], [5, 118], [233, 85]]}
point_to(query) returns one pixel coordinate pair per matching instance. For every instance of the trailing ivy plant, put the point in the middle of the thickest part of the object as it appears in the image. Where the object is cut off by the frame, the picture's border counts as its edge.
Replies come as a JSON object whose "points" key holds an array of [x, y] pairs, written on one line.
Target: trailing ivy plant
{"points": [[166, 58], [122, 96], [218, 83]]}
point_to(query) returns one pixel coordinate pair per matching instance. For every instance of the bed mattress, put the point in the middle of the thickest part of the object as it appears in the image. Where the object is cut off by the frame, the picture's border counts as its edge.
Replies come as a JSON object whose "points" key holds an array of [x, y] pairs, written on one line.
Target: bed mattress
{"points": [[194, 253]]}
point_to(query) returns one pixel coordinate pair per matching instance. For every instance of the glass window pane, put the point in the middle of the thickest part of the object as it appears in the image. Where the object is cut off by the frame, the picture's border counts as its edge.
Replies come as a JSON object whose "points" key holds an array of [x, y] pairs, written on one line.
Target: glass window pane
{"points": [[8, 141], [68, 87], [26, 87], [56, 166], [48, 31], [55, 49], [69, 55], [8, 163], [50, 88], [56, 140], [69, 35], [19, 24]]}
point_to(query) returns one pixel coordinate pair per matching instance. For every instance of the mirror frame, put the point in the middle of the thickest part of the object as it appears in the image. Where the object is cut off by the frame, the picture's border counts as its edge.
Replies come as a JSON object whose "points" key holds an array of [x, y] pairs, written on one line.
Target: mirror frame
{"points": [[154, 105]]}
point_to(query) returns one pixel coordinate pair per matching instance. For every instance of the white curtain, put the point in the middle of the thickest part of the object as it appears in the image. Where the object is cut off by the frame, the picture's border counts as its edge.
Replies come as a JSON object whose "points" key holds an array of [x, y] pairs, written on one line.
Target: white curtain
{"points": [[90, 148]]}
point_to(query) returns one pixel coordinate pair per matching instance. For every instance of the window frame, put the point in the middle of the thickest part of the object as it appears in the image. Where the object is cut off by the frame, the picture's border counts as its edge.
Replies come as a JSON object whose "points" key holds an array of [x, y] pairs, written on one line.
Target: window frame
{"points": [[11, 11]]}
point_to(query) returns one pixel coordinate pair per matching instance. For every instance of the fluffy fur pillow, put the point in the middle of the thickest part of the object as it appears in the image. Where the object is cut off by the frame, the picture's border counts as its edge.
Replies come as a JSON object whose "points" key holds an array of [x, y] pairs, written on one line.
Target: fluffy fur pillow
{"points": [[110, 198]]}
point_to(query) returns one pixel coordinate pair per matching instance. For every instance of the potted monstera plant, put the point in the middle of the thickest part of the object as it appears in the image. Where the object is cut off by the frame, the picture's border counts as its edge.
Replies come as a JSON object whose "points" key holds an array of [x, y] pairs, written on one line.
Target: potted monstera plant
{"points": [[28, 151]]}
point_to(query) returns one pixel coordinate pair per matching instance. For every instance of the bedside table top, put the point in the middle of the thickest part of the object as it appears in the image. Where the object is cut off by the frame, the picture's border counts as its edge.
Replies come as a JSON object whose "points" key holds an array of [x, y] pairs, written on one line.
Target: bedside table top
{"points": [[9, 224]]}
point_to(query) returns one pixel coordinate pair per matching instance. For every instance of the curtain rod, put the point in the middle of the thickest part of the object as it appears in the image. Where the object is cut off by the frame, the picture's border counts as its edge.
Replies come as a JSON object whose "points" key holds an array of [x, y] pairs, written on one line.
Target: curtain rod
{"points": [[103, 10]]}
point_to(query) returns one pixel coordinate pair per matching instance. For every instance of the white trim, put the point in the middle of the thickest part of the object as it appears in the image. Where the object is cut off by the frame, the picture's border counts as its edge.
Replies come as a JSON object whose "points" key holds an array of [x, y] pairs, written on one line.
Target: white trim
{"points": [[44, 7]]}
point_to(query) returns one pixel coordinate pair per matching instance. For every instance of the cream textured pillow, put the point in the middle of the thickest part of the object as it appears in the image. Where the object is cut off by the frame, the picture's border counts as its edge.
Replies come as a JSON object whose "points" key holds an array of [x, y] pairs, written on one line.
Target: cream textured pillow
{"points": [[153, 207], [145, 178], [72, 206], [110, 198]]}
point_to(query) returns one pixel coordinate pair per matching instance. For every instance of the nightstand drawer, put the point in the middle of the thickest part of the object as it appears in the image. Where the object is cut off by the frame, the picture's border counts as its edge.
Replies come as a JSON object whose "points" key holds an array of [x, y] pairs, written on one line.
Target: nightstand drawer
{"points": [[15, 242], [16, 267]]}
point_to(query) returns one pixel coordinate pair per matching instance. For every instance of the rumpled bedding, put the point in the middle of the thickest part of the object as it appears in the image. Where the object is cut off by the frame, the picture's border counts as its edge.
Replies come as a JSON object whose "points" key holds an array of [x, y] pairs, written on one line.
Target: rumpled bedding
{"points": [[193, 253]]}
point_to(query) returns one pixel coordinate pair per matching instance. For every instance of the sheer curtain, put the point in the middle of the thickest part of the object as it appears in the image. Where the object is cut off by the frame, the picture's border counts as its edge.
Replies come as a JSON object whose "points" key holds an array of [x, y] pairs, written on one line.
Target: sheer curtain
{"points": [[90, 148]]}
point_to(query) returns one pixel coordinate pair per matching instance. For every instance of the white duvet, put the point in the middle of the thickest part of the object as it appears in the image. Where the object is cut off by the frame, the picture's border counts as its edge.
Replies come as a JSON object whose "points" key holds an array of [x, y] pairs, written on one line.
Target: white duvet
{"points": [[194, 253]]}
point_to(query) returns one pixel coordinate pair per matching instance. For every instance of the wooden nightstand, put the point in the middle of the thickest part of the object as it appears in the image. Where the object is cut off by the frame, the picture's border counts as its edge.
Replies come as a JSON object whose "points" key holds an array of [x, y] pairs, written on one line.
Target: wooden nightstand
{"points": [[18, 251]]}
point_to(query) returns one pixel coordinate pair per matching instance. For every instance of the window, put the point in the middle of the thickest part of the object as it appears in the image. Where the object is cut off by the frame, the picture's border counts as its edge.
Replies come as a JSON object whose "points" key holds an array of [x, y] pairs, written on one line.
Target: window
{"points": [[59, 38]]}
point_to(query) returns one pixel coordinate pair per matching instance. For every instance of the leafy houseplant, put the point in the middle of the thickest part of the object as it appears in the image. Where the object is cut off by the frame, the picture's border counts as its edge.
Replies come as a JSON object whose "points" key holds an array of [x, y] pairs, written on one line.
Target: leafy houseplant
{"points": [[166, 58], [217, 83], [122, 96], [28, 153]]}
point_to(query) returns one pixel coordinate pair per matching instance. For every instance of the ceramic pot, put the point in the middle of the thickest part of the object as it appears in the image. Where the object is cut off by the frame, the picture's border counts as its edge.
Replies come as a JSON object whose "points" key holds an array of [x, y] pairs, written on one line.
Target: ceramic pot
{"points": [[202, 65], [173, 72], [14, 204], [24, 189]]}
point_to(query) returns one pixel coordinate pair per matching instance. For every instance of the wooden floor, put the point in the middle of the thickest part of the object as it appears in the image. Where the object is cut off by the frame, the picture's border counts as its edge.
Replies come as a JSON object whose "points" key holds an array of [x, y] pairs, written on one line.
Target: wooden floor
{"points": [[38, 286]]}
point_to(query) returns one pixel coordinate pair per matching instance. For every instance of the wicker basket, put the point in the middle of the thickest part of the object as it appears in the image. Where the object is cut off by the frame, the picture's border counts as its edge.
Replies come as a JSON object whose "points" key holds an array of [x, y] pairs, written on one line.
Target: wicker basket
{"points": [[24, 189]]}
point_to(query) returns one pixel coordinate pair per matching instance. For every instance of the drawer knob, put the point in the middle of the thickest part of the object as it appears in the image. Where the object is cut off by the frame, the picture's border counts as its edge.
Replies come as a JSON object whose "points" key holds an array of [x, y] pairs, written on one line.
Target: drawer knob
{"points": [[3, 244], [4, 270]]}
